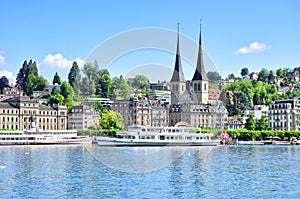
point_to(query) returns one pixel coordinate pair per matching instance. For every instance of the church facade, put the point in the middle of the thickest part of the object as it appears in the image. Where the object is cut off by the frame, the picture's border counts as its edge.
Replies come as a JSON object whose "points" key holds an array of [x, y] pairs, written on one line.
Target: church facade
{"points": [[190, 103]]}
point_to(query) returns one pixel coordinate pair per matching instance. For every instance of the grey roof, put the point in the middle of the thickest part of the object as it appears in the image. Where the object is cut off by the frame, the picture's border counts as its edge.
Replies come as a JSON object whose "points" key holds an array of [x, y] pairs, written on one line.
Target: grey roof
{"points": [[178, 73], [6, 105], [44, 107], [200, 72]]}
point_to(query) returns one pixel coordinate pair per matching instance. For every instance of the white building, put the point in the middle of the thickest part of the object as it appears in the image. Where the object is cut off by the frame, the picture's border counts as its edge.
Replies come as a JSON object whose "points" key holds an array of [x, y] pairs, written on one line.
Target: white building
{"points": [[258, 111], [285, 114]]}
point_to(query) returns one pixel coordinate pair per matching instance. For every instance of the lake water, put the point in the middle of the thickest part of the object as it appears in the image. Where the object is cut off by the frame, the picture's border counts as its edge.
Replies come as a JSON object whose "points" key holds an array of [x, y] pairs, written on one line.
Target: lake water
{"points": [[159, 172]]}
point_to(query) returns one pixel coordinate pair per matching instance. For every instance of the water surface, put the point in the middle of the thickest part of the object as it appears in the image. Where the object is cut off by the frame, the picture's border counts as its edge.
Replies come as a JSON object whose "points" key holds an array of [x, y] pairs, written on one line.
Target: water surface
{"points": [[161, 172]]}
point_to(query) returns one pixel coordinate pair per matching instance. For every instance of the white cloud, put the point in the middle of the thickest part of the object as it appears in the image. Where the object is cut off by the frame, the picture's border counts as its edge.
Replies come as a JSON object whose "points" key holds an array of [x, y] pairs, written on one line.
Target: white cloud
{"points": [[253, 48], [9, 75], [2, 60], [59, 61]]}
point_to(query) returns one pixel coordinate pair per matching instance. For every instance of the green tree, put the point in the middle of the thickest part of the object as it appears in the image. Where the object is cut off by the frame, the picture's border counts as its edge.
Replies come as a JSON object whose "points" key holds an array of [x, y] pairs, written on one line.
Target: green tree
{"points": [[279, 73], [23, 80], [250, 123], [67, 92], [105, 86], [111, 120], [32, 67], [213, 76], [74, 78], [124, 88], [56, 79], [263, 75], [140, 81], [263, 124], [244, 71]]}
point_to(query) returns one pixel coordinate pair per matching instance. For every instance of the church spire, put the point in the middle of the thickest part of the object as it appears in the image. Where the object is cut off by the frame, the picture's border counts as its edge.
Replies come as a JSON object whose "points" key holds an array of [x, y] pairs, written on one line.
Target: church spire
{"points": [[177, 73], [200, 72]]}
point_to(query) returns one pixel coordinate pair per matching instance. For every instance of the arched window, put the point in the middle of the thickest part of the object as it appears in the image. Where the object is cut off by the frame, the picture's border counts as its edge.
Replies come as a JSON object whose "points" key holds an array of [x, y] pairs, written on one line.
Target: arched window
{"points": [[199, 87], [195, 87], [204, 86]]}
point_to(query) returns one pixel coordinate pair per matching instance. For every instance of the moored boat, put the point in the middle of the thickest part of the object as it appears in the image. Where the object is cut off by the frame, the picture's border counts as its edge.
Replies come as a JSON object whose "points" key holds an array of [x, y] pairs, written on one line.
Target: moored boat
{"points": [[36, 136], [157, 136]]}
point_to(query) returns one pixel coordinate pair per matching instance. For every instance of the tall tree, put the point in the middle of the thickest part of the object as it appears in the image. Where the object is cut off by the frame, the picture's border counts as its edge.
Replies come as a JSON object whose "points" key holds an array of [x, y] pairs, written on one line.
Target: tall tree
{"points": [[74, 78], [250, 123], [105, 86], [124, 88], [56, 79], [23, 76]]}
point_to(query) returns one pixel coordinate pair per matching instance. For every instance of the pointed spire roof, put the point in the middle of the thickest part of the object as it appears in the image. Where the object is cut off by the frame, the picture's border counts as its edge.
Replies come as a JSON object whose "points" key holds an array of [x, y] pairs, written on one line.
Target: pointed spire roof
{"points": [[200, 72], [178, 73]]}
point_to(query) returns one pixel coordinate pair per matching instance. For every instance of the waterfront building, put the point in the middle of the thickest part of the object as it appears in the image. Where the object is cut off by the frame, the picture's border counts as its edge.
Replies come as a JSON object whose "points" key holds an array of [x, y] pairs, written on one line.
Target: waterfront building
{"points": [[236, 123], [190, 101], [285, 114], [82, 117], [199, 115], [15, 113], [134, 112]]}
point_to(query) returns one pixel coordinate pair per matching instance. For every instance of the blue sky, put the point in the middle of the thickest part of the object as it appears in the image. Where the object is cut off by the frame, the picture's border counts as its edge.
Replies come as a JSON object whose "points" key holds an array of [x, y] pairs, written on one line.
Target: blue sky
{"points": [[256, 34]]}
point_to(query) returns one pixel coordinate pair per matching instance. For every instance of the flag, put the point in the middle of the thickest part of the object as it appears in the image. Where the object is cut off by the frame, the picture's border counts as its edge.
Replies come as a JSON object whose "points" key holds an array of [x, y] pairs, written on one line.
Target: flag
{"points": [[224, 136]]}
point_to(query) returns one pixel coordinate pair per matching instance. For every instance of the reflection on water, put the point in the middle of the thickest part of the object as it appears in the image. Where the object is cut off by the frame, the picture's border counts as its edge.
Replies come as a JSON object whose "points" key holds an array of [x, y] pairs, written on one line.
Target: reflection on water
{"points": [[150, 172]]}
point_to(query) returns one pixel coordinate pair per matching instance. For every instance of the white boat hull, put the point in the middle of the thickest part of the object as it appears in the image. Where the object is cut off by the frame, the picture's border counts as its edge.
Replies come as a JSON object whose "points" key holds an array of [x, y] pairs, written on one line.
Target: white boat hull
{"points": [[143, 142]]}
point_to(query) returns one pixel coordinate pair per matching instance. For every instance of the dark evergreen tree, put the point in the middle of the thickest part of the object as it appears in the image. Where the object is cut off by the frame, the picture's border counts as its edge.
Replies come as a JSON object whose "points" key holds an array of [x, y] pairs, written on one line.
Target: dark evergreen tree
{"points": [[3, 83], [56, 79], [74, 78]]}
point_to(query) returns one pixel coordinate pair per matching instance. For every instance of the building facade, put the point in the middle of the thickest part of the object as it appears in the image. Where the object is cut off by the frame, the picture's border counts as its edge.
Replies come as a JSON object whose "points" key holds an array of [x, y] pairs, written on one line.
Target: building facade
{"points": [[285, 114], [236, 123], [16, 114], [199, 116], [82, 117]]}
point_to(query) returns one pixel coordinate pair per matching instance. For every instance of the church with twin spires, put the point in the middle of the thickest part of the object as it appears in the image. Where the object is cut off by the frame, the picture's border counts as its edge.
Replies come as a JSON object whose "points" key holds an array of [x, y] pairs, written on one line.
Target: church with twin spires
{"points": [[190, 104]]}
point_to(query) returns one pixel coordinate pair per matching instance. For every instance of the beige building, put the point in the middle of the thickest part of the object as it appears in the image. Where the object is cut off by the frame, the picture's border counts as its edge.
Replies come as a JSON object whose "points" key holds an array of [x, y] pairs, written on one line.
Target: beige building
{"points": [[82, 117], [141, 112], [16, 114], [199, 116]]}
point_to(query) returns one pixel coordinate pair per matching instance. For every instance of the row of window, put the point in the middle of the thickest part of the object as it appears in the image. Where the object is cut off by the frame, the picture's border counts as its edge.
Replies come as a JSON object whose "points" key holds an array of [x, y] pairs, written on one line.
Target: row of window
{"points": [[16, 111]]}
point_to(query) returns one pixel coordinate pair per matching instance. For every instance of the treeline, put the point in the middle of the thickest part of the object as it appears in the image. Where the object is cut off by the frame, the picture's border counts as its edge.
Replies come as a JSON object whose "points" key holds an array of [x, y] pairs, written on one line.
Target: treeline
{"points": [[247, 135], [90, 81], [242, 95]]}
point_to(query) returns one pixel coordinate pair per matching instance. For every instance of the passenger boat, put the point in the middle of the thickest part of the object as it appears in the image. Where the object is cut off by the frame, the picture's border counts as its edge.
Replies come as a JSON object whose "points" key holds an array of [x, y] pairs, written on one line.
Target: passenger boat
{"points": [[36, 136], [157, 136]]}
